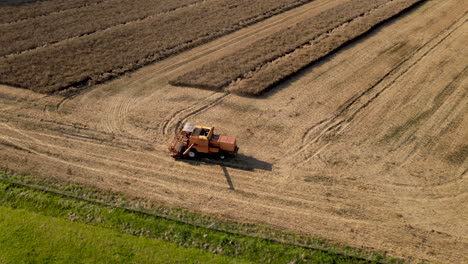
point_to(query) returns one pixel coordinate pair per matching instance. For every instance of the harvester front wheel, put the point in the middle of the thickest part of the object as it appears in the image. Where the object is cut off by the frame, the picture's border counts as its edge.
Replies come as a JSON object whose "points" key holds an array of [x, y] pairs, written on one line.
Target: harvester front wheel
{"points": [[222, 156], [192, 154]]}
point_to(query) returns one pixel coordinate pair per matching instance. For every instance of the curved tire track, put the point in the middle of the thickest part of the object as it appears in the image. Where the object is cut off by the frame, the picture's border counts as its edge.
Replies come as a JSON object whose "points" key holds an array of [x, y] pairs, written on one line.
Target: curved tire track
{"points": [[339, 121]]}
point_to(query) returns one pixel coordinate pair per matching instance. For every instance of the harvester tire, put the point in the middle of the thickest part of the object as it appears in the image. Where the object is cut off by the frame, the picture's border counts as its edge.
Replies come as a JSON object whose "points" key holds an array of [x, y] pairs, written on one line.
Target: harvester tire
{"points": [[192, 154]]}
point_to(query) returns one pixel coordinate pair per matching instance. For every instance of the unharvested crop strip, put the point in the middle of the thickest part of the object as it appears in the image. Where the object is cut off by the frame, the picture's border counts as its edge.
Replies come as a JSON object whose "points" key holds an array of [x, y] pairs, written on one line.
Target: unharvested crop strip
{"points": [[273, 72], [44, 30], [101, 56], [219, 73], [275, 57], [17, 13]]}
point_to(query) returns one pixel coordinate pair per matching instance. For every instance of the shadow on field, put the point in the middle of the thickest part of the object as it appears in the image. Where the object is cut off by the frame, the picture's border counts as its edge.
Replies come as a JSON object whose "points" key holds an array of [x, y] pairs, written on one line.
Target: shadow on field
{"points": [[16, 2], [284, 83], [240, 162], [228, 178]]}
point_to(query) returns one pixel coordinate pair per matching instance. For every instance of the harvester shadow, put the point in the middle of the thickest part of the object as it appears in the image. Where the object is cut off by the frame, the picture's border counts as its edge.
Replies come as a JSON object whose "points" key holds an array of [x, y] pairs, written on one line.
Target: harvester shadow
{"points": [[240, 162], [228, 177]]}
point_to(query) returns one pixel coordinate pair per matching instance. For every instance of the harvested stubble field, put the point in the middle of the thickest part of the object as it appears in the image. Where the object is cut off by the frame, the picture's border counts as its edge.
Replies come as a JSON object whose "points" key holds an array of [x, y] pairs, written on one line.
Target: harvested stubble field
{"points": [[43, 55], [365, 148], [256, 67]]}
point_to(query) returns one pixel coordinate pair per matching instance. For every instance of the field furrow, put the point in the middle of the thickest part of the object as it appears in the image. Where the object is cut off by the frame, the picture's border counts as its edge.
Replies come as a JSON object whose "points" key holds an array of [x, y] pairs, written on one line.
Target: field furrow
{"points": [[98, 57], [321, 34]]}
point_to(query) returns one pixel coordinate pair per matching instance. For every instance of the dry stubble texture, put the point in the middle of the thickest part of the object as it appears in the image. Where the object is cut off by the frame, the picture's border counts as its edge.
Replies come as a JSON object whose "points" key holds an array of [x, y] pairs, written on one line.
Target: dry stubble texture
{"points": [[33, 33], [406, 195], [257, 66], [115, 50], [14, 10]]}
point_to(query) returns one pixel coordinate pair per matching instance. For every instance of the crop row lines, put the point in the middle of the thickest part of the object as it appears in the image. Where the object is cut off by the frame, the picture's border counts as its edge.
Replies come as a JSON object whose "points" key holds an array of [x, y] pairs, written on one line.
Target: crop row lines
{"points": [[104, 55], [12, 15], [253, 69]]}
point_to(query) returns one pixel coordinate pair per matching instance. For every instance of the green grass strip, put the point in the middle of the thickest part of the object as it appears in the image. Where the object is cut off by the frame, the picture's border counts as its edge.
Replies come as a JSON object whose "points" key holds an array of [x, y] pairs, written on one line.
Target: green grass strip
{"points": [[139, 218], [27, 237]]}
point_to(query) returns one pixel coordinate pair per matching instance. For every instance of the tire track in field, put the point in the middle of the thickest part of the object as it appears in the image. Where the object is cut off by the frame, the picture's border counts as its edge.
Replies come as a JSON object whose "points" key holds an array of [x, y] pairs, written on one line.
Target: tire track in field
{"points": [[268, 201], [169, 122], [447, 33], [121, 106], [119, 110], [152, 182], [285, 202], [137, 165], [20, 143], [243, 178], [456, 81], [98, 143], [180, 116], [286, 199], [333, 125], [316, 129]]}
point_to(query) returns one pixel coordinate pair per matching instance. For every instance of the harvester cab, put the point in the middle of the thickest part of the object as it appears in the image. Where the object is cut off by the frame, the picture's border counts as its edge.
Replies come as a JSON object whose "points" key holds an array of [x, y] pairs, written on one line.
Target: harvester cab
{"points": [[192, 140]]}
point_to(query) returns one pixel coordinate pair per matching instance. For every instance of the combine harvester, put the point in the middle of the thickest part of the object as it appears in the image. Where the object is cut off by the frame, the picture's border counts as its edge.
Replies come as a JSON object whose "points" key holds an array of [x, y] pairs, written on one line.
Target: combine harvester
{"points": [[192, 140]]}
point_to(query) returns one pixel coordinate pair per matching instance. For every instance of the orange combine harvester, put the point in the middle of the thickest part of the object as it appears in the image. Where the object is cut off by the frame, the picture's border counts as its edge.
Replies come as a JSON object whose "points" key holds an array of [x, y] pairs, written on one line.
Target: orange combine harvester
{"points": [[191, 140]]}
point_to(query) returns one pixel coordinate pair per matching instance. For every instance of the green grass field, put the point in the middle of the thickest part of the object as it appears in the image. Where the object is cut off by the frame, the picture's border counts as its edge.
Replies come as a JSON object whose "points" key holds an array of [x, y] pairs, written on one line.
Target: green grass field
{"points": [[27, 237], [52, 222]]}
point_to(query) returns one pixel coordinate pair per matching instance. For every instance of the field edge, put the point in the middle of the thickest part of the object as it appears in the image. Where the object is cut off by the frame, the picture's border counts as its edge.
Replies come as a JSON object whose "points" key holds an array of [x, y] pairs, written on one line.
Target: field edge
{"points": [[117, 201]]}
